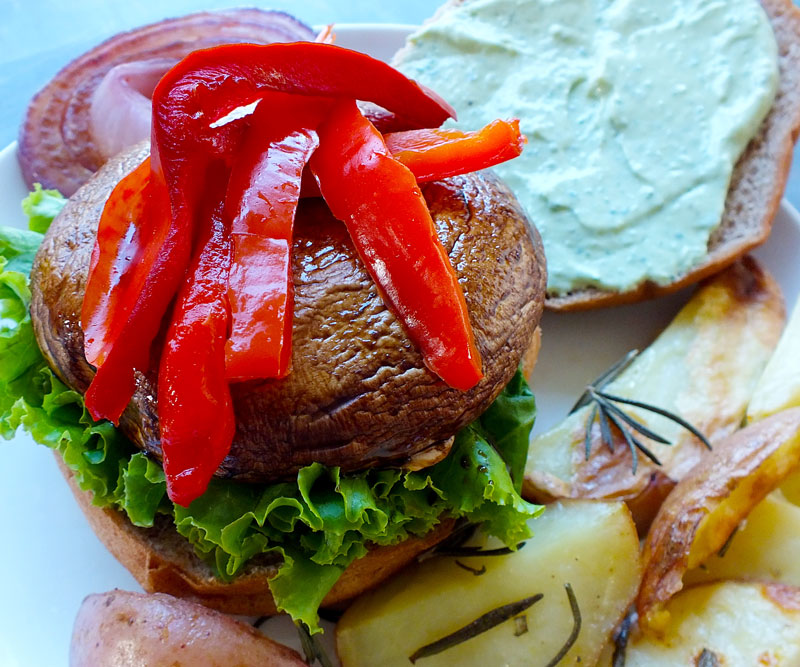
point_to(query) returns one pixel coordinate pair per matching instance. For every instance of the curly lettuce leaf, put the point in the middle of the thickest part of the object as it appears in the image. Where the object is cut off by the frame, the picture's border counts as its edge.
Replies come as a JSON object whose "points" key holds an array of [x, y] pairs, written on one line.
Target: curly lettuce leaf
{"points": [[316, 525], [41, 206]]}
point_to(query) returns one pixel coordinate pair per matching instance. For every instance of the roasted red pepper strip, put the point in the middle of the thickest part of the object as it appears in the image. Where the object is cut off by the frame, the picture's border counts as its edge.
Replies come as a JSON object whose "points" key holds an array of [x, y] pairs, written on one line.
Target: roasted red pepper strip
{"points": [[433, 154], [140, 298], [380, 202], [263, 192], [115, 258], [195, 410], [210, 83], [188, 135]]}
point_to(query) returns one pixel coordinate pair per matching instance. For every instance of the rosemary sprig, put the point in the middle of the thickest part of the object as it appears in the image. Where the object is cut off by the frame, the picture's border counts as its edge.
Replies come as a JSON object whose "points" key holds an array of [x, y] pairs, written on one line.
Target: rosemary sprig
{"points": [[621, 639], [476, 571], [576, 627], [470, 552], [606, 411], [312, 648], [497, 616], [664, 413], [724, 548], [708, 658], [462, 532], [481, 624], [605, 377]]}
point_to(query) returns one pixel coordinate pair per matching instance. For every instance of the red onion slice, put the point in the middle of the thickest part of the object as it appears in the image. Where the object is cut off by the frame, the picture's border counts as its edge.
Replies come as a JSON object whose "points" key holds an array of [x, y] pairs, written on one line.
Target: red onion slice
{"points": [[120, 110], [61, 148]]}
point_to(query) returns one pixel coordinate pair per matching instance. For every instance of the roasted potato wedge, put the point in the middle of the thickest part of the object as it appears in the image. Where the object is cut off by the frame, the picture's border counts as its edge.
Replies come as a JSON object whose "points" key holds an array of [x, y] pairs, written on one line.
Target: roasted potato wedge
{"points": [[590, 545], [790, 489], [703, 510], [122, 628], [765, 547], [703, 367], [726, 624], [778, 387]]}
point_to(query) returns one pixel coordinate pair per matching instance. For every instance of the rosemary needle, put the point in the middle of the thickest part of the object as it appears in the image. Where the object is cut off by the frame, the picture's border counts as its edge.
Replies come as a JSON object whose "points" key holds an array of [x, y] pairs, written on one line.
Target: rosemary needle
{"points": [[481, 624], [468, 552], [664, 413], [312, 648], [576, 627], [607, 411]]}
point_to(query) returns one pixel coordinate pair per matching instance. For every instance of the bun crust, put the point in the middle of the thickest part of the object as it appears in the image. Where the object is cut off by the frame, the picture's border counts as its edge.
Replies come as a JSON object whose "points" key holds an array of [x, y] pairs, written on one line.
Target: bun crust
{"points": [[757, 184], [162, 561]]}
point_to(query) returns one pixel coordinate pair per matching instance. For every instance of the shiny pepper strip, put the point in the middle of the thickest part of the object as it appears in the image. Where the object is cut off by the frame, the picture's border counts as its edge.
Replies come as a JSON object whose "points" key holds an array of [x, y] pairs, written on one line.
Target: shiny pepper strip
{"points": [[434, 154], [263, 192], [115, 257], [195, 410], [189, 104], [388, 220], [139, 297]]}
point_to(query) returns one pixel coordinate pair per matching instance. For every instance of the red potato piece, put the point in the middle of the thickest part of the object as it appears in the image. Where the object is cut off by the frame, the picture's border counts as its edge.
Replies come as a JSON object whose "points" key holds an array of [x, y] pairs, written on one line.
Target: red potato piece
{"points": [[120, 628]]}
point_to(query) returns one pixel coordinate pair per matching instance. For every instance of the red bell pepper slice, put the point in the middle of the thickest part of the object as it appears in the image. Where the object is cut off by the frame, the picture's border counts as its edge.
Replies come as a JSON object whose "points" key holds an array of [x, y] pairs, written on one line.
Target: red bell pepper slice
{"points": [[262, 197], [210, 83], [115, 258], [433, 154], [139, 297], [188, 104], [380, 202], [195, 410]]}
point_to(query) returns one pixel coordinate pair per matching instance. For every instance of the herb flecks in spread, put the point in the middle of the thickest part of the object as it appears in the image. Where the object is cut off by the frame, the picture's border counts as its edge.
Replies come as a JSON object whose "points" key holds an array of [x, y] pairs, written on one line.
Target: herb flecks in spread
{"points": [[208, 221], [635, 115]]}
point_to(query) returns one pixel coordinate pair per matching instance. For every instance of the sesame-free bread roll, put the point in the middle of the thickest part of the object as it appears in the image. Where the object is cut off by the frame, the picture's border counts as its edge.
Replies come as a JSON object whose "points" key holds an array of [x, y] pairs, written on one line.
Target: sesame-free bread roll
{"points": [[757, 184]]}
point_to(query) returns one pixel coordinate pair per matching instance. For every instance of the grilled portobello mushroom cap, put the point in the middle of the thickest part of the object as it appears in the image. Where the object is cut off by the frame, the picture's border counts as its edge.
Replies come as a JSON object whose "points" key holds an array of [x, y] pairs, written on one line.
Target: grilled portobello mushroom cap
{"points": [[359, 394]]}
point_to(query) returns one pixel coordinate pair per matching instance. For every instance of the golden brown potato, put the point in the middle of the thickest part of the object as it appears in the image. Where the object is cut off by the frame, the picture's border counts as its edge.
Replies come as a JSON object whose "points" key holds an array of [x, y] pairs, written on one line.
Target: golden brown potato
{"points": [[738, 624], [702, 511], [765, 547], [591, 545], [778, 387], [791, 488], [123, 629], [703, 367]]}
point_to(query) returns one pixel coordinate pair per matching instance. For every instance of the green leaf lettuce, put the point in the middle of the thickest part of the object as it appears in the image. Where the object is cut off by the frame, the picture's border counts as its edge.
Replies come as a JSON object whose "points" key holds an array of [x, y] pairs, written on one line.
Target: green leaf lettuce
{"points": [[317, 524]]}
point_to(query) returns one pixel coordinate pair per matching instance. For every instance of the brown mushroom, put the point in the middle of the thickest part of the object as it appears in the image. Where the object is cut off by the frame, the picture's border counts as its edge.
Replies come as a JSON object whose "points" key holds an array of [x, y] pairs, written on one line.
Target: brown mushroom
{"points": [[359, 393]]}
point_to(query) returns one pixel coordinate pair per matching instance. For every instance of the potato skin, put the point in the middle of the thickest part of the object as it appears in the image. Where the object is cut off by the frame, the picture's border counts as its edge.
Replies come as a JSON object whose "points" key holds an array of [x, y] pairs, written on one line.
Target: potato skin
{"points": [[737, 623], [120, 628], [359, 393], [708, 504], [704, 366]]}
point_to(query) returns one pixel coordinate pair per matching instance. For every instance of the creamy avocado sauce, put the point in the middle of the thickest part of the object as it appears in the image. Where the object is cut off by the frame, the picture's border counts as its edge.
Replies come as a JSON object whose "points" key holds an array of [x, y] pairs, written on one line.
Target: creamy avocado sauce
{"points": [[635, 111]]}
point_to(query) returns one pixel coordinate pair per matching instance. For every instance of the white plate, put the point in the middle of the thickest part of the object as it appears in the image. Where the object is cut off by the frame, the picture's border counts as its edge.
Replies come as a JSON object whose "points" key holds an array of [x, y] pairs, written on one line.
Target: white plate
{"points": [[51, 559]]}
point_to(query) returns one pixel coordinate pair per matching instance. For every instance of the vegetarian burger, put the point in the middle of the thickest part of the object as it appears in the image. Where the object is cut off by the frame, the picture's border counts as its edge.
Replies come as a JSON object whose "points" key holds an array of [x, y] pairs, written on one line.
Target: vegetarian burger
{"points": [[365, 442]]}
